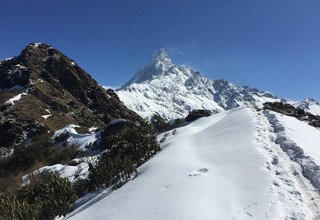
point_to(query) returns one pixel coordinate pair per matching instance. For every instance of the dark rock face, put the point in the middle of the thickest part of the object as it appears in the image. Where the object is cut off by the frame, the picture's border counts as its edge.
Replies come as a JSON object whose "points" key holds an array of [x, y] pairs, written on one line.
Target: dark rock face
{"points": [[53, 84], [196, 114]]}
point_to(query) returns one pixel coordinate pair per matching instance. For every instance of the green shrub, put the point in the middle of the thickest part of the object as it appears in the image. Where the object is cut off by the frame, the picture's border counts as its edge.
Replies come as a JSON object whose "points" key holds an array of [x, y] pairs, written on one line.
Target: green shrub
{"points": [[138, 143], [81, 187], [12, 208], [54, 195], [110, 172], [129, 147]]}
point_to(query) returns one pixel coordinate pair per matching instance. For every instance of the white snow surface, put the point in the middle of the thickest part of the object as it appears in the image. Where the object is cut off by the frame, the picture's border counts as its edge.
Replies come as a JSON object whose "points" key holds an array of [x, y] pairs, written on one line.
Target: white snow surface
{"points": [[81, 141], [302, 134], [15, 98], [301, 142], [73, 173], [226, 166]]}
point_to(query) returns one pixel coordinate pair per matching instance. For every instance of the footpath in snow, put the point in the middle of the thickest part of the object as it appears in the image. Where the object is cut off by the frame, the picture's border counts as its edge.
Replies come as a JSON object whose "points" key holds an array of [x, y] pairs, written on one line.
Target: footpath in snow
{"points": [[226, 166]]}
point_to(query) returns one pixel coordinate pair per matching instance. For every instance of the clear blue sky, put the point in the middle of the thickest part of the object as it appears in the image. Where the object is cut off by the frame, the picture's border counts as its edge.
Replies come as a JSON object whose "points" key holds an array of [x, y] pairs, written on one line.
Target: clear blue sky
{"points": [[268, 44]]}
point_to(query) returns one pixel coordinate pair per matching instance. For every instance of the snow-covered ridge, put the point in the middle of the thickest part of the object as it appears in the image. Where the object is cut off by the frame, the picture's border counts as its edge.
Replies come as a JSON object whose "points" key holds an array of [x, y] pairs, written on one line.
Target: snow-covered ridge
{"points": [[225, 166], [173, 91]]}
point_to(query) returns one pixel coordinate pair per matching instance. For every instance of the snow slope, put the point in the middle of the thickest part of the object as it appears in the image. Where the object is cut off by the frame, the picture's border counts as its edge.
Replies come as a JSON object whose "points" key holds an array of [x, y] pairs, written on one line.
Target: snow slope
{"points": [[302, 143], [309, 105], [173, 91], [226, 166]]}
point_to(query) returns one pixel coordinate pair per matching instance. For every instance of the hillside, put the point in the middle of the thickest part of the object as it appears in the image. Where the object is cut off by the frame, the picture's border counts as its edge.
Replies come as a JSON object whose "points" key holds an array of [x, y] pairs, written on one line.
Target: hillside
{"points": [[54, 118]]}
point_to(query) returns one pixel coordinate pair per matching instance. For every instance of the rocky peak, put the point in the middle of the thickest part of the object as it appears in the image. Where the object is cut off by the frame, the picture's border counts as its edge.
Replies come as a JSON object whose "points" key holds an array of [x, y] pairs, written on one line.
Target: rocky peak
{"points": [[159, 64]]}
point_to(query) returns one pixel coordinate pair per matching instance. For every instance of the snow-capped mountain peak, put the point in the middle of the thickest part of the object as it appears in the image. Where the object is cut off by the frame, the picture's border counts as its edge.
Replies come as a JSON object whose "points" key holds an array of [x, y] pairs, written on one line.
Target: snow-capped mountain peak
{"points": [[173, 91], [159, 63], [160, 59]]}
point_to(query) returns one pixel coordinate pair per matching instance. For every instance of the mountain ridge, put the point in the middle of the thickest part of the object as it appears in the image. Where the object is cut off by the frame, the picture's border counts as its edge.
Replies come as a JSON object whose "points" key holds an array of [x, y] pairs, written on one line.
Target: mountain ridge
{"points": [[174, 91]]}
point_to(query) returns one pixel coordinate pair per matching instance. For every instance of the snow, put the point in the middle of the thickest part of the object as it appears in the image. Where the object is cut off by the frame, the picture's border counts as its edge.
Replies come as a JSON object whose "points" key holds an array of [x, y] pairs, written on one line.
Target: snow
{"points": [[81, 141], [73, 173], [310, 105], [48, 115], [6, 59], [36, 44], [314, 109], [173, 91], [302, 134], [68, 129], [160, 62], [168, 96], [116, 121], [92, 129], [226, 166], [301, 142], [15, 98], [19, 66]]}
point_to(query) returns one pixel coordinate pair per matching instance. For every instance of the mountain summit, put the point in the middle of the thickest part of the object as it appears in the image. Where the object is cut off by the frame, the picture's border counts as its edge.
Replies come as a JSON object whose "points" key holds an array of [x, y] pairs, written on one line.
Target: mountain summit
{"points": [[159, 63], [173, 91]]}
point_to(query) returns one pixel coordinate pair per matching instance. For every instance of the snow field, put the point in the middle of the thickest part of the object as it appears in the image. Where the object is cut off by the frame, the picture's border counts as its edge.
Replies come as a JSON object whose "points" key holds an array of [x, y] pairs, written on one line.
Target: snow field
{"points": [[226, 166]]}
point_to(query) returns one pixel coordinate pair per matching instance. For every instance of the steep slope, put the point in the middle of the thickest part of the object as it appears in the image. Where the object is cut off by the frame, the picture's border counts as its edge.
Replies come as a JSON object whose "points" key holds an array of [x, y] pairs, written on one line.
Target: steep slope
{"points": [[226, 166], [52, 111], [172, 91], [43, 90]]}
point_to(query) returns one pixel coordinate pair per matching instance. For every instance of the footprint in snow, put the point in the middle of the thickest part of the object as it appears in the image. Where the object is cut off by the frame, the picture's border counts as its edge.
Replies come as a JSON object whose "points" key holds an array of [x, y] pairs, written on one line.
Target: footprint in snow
{"points": [[199, 172]]}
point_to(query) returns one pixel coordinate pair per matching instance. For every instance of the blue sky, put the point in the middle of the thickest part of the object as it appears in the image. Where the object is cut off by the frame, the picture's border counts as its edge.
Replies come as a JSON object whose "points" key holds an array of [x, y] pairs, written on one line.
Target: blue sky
{"points": [[272, 45]]}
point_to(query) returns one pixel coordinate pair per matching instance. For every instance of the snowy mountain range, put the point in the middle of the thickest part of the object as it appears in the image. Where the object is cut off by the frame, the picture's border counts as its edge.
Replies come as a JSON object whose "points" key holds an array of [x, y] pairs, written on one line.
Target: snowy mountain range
{"points": [[173, 91]]}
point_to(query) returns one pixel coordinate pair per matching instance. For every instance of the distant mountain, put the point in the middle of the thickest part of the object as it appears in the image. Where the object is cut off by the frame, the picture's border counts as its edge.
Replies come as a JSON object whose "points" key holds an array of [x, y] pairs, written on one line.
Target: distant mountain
{"points": [[172, 91], [159, 63]]}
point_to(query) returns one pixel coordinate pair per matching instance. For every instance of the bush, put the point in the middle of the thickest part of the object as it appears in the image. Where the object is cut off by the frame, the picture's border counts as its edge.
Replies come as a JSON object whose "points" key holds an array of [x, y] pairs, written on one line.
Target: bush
{"points": [[45, 197], [196, 114], [159, 124], [110, 172], [54, 195], [81, 187], [13, 208], [129, 147]]}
